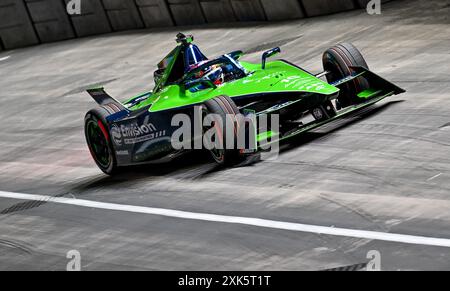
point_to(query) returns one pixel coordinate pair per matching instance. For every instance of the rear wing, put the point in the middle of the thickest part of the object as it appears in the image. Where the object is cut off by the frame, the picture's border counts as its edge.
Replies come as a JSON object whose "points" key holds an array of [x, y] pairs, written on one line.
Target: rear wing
{"points": [[103, 99]]}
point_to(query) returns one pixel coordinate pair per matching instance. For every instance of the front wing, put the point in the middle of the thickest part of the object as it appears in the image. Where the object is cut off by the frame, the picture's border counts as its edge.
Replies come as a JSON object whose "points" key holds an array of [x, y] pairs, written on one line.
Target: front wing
{"points": [[380, 89]]}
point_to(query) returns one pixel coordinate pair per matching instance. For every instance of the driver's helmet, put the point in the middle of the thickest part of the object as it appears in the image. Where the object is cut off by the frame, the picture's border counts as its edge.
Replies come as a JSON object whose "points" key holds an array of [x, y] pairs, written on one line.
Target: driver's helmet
{"points": [[195, 66], [216, 75]]}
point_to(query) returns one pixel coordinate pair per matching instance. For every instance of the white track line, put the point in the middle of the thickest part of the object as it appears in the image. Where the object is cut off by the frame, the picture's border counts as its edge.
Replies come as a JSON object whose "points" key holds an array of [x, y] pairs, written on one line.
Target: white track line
{"points": [[382, 236], [4, 58]]}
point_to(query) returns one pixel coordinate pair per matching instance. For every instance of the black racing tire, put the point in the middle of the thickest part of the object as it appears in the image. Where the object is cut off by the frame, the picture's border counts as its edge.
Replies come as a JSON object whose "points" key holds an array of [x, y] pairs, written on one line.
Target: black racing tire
{"points": [[99, 141], [338, 60], [224, 106]]}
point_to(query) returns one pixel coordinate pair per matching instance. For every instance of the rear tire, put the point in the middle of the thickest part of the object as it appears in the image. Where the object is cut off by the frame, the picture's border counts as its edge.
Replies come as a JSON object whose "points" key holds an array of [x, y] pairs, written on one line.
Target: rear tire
{"points": [[99, 141], [338, 60], [224, 107]]}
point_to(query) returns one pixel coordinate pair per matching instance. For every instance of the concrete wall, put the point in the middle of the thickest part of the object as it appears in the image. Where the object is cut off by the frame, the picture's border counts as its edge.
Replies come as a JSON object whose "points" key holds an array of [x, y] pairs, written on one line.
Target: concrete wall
{"points": [[93, 19], [321, 7], [218, 11], [291, 9], [16, 29], [155, 13], [123, 14], [50, 20], [186, 12], [363, 3], [248, 10], [28, 22]]}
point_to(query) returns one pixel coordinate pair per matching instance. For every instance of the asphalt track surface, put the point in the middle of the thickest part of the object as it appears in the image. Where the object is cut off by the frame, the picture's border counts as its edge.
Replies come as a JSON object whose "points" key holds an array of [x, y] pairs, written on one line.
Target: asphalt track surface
{"points": [[384, 171]]}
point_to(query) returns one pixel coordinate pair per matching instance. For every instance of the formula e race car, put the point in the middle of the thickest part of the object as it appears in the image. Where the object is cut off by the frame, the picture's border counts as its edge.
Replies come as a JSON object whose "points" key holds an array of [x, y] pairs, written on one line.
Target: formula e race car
{"points": [[187, 83]]}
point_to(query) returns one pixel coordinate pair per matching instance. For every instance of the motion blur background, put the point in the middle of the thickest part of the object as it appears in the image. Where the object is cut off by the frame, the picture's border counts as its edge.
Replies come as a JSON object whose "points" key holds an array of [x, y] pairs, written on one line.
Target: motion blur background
{"points": [[385, 169], [30, 22]]}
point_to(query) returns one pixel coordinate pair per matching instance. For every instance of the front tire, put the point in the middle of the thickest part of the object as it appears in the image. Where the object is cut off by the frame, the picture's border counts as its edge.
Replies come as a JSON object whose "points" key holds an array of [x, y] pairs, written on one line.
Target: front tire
{"points": [[224, 107], [338, 60], [99, 141]]}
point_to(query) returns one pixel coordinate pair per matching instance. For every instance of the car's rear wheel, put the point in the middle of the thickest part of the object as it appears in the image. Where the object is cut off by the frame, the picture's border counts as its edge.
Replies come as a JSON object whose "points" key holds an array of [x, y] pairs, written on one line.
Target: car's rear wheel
{"points": [[99, 142], [337, 61], [223, 107]]}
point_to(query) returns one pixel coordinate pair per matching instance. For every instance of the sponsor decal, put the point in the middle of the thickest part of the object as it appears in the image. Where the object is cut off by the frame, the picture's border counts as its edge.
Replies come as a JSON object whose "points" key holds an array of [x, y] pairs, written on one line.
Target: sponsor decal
{"points": [[302, 84], [116, 135], [133, 130], [122, 153], [133, 133]]}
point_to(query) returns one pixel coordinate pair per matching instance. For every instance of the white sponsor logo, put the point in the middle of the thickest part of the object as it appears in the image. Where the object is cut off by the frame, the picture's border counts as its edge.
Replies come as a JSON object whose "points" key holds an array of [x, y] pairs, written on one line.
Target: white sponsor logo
{"points": [[134, 133], [133, 130], [116, 134]]}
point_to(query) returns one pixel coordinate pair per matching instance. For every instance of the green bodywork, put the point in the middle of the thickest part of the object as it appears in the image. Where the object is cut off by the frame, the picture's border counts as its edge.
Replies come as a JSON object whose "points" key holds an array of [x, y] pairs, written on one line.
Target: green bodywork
{"points": [[366, 94], [278, 77]]}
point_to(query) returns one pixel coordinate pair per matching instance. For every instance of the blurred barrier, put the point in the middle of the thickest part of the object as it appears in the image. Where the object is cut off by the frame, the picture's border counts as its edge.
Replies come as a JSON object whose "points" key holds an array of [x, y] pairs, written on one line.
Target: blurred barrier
{"points": [[28, 22], [123, 14], [16, 29], [248, 10], [155, 13], [50, 20], [290, 9], [218, 11], [186, 12], [364, 3], [323, 7], [92, 20]]}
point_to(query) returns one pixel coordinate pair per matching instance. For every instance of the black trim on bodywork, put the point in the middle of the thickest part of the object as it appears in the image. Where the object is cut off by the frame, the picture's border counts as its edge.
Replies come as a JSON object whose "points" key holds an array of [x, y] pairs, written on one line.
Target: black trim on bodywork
{"points": [[376, 81], [296, 66], [102, 98]]}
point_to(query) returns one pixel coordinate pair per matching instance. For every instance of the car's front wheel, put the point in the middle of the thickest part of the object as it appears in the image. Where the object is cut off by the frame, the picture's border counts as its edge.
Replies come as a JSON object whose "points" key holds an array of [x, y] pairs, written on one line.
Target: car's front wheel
{"points": [[221, 109], [337, 61]]}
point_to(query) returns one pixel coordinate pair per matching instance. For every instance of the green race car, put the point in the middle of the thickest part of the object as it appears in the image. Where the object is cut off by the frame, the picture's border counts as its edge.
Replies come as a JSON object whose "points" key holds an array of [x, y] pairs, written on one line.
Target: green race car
{"points": [[145, 129]]}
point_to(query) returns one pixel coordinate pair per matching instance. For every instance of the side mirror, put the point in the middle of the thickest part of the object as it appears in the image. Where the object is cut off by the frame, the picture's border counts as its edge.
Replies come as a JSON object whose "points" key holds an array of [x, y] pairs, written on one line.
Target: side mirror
{"points": [[269, 54], [236, 55], [158, 75]]}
